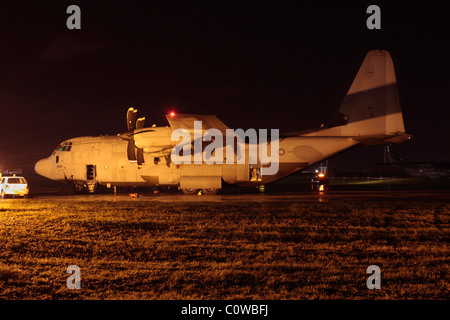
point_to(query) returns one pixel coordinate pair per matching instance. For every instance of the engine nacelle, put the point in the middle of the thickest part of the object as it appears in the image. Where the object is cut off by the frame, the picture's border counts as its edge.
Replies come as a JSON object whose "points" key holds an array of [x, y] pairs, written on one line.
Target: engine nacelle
{"points": [[154, 140]]}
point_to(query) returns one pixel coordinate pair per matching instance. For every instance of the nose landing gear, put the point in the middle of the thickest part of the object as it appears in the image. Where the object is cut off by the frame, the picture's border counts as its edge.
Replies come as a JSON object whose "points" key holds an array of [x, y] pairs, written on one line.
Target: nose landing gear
{"points": [[82, 187]]}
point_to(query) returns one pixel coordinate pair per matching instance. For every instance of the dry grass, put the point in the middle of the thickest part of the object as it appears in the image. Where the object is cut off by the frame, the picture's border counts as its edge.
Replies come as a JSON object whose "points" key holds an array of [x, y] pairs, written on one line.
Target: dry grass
{"points": [[152, 250]]}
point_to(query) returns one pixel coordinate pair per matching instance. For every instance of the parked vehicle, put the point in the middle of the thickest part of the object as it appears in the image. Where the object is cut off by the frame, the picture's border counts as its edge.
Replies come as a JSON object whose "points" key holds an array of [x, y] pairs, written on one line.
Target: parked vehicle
{"points": [[15, 186]]}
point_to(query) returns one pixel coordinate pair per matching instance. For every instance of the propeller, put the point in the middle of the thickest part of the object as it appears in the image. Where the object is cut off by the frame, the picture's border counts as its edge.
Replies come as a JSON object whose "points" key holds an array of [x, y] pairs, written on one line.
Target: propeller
{"points": [[140, 151], [131, 119], [134, 154]]}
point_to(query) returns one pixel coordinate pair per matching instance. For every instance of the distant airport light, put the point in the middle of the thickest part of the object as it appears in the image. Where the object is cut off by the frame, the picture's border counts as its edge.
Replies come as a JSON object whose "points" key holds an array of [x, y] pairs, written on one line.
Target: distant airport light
{"points": [[321, 175]]}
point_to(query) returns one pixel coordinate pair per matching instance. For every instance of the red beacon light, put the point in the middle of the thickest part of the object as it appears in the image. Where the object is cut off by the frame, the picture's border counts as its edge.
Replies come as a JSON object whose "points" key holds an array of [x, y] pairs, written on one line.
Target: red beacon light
{"points": [[172, 114]]}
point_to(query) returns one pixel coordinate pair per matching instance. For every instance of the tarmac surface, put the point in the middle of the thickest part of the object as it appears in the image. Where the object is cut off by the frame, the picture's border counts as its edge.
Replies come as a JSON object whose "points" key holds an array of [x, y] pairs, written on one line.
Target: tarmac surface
{"points": [[312, 196]]}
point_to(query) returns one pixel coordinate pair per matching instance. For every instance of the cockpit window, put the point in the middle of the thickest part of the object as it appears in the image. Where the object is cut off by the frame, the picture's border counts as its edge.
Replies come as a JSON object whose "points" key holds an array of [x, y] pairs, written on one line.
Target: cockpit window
{"points": [[66, 146]]}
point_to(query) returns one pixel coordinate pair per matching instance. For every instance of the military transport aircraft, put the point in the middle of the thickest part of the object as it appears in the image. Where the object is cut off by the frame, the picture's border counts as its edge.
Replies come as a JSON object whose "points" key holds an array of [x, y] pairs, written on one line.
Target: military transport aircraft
{"points": [[369, 115], [431, 170]]}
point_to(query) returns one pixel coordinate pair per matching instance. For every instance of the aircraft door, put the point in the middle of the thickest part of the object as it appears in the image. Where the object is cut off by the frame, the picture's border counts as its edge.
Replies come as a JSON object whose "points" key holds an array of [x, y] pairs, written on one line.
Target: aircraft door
{"points": [[91, 172], [91, 178], [255, 172]]}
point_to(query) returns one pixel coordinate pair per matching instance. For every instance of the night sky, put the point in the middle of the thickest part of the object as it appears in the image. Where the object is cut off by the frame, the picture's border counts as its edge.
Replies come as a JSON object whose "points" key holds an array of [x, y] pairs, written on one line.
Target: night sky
{"points": [[258, 65]]}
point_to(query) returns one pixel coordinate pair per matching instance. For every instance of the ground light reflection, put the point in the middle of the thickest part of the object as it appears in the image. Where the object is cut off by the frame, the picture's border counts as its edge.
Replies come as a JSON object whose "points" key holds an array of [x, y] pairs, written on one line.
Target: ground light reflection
{"points": [[323, 197]]}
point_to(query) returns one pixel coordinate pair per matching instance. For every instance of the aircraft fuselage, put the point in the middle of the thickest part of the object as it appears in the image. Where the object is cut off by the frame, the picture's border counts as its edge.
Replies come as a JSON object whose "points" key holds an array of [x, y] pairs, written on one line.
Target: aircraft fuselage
{"points": [[103, 160]]}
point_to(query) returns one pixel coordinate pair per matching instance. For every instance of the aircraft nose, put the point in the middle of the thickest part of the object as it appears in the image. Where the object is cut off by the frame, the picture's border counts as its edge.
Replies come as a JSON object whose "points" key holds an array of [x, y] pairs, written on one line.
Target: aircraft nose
{"points": [[44, 168]]}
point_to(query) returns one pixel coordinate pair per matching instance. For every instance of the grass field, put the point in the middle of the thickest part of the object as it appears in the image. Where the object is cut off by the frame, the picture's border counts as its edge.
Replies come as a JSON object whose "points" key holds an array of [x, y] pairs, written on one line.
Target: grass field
{"points": [[152, 250]]}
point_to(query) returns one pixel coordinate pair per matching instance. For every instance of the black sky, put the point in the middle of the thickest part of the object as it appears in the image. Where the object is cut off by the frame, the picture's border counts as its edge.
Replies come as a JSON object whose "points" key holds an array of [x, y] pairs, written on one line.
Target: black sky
{"points": [[255, 64]]}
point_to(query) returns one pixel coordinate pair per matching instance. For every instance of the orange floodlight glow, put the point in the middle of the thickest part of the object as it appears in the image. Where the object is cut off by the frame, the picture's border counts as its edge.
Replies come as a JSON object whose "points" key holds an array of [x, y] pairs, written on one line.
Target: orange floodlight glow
{"points": [[321, 175]]}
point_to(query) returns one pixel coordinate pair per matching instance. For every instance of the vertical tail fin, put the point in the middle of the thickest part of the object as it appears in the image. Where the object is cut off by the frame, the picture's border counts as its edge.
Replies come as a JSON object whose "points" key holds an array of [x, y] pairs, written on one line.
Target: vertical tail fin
{"points": [[371, 106]]}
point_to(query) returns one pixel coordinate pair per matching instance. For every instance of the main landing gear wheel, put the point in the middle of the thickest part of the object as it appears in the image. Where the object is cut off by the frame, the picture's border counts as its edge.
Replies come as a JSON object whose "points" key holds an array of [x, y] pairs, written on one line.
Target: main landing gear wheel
{"points": [[190, 191], [78, 187], [209, 191]]}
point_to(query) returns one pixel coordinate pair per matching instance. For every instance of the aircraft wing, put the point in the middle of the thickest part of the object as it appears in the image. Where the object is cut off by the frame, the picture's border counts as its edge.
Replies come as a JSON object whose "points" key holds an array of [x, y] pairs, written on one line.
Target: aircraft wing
{"points": [[186, 121]]}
